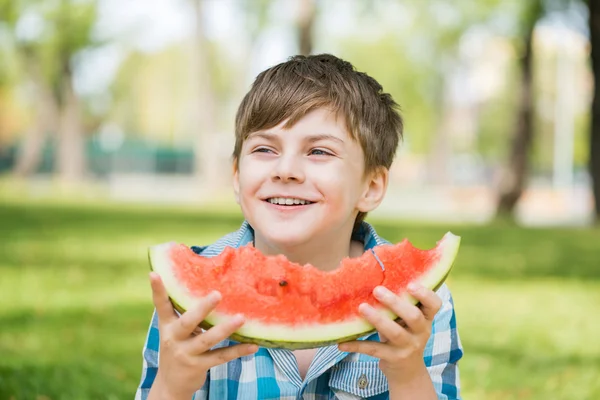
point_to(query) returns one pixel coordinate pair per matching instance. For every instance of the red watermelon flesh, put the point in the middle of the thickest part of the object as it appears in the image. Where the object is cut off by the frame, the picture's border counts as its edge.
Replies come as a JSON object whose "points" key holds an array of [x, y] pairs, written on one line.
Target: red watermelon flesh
{"points": [[297, 306]]}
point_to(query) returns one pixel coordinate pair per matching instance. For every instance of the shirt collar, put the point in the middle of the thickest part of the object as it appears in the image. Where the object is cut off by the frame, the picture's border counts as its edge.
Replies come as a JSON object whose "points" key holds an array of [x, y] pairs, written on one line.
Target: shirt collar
{"points": [[365, 234]]}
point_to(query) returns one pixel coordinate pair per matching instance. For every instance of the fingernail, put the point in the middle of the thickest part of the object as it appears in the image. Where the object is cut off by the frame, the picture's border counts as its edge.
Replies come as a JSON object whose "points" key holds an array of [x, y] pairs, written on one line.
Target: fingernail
{"points": [[413, 287], [381, 292], [237, 319], [214, 296], [342, 347], [366, 309]]}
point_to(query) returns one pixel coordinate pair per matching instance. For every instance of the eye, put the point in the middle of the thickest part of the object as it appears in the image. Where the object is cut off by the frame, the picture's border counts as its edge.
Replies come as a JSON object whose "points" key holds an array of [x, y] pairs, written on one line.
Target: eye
{"points": [[320, 152], [262, 150]]}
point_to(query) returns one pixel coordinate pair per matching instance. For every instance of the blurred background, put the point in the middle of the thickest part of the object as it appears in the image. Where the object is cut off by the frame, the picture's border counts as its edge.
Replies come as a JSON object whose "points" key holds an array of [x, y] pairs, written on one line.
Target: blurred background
{"points": [[116, 130]]}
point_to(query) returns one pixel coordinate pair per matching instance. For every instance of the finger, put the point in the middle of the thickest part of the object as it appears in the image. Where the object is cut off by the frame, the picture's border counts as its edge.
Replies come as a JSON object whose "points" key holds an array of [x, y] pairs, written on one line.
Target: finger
{"points": [[226, 354], [368, 347], [161, 301], [383, 339], [189, 320], [430, 301], [216, 334], [412, 316], [390, 330]]}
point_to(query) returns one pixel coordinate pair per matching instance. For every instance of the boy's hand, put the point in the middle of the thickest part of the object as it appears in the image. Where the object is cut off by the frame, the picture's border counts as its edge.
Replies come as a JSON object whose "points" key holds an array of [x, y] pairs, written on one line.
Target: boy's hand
{"points": [[186, 355], [402, 344]]}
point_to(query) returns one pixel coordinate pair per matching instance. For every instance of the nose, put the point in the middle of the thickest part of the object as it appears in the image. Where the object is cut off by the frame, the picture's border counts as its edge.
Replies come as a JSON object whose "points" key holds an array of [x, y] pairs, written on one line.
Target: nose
{"points": [[288, 169]]}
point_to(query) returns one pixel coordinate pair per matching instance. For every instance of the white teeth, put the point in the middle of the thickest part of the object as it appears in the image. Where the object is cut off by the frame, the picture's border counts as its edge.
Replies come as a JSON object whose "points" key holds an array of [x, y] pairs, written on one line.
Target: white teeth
{"points": [[287, 201]]}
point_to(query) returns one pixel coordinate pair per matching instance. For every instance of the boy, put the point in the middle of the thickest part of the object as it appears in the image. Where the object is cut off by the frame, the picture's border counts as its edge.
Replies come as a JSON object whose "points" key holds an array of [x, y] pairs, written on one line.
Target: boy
{"points": [[314, 142]]}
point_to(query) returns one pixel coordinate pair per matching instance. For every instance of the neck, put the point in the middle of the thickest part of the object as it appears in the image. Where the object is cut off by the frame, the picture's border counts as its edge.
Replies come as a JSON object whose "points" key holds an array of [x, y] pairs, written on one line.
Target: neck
{"points": [[323, 254]]}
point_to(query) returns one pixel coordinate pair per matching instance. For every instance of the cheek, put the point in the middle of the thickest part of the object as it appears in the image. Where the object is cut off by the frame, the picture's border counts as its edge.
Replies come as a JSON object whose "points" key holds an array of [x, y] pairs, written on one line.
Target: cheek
{"points": [[250, 180], [340, 188], [246, 183]]}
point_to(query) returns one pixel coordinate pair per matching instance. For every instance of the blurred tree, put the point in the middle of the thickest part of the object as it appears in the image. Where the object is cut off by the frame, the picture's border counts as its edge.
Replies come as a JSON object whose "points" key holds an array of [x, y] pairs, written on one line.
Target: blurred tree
{"points": [[306, 20], [55, 32], [256, 19], [448, 23], [45, 117], [155, 94], [439, 27], [208, 161], [207, 165], [11, 114], [413, 49], [594, 163], [42, 104], [514, 173]]}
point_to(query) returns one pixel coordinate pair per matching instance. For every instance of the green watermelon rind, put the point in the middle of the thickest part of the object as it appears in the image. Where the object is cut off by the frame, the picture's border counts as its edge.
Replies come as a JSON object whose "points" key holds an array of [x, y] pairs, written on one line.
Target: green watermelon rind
{"points": [[294, 337]]}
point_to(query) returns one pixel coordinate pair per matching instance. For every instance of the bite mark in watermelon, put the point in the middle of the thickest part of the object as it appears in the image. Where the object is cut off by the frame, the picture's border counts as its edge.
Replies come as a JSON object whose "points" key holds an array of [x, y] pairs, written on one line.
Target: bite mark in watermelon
{"points": [[293, 306]]}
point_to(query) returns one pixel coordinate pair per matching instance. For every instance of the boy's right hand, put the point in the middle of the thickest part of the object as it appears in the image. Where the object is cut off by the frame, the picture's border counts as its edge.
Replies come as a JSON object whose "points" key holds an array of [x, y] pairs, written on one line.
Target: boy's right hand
{"points": [[186, 357]]}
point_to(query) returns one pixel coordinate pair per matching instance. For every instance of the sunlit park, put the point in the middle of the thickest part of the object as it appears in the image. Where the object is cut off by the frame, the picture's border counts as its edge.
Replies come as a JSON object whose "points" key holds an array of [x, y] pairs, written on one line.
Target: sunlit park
{"points": [[117, 129]]}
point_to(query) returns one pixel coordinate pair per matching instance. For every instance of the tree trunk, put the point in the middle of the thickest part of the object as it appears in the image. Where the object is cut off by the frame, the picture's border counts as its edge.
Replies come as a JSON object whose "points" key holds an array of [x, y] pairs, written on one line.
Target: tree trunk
{"points": [[514, 176], [594, 164], [207, 165], [306, 20], [438, 159], [70, 160], [30, 152], [45, 119]]}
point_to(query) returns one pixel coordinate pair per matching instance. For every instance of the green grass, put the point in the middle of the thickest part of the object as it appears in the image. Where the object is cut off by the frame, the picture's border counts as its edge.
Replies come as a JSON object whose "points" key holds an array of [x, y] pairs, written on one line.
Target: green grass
{"points": [[75, 300]]}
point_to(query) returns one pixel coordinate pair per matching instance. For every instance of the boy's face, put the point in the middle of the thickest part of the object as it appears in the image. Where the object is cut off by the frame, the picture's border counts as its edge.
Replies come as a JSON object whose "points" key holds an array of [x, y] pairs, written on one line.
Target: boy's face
{"points": [[306, 184]]}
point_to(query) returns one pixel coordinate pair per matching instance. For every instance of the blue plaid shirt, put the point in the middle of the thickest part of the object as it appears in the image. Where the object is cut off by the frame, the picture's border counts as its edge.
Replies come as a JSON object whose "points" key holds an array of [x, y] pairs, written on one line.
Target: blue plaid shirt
{"points": [[273, 373]]}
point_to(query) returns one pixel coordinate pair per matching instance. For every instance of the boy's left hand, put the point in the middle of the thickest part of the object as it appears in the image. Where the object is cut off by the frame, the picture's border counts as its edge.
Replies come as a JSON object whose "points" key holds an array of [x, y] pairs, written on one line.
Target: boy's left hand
{"points": [[402, 344]]}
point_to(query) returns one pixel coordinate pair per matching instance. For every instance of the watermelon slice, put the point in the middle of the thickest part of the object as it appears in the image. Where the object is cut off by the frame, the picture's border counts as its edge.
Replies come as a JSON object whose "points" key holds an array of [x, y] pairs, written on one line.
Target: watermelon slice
{"points": [[293, 306]]}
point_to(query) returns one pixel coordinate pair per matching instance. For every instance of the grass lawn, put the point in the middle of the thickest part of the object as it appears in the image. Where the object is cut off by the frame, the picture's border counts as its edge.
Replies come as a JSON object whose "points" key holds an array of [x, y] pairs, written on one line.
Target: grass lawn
{"points": [[75, 300]]}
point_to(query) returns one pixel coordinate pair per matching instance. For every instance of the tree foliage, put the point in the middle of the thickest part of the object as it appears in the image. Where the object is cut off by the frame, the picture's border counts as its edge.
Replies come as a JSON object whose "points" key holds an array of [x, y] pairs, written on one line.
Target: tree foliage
{"points": [[46, 37]]}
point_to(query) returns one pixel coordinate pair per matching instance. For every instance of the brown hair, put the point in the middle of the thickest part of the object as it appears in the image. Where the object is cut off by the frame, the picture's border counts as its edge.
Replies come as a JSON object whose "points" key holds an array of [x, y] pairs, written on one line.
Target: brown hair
{"points": [[289, 90]]}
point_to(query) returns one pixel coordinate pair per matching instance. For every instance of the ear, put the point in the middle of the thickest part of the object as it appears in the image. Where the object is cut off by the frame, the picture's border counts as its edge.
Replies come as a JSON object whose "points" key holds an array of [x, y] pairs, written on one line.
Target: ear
{"points": [[375, 187], [236, 181]]}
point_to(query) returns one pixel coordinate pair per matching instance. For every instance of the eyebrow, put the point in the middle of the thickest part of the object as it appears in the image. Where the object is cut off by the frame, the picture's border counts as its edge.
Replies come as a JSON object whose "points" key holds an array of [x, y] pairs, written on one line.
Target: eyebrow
{"points": [[311, 139], [324, 136], [264, 135]]}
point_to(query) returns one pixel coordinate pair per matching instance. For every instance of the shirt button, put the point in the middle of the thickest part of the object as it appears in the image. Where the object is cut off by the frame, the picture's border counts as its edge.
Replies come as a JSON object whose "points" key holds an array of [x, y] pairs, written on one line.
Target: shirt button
{"points": [[362, 382]]}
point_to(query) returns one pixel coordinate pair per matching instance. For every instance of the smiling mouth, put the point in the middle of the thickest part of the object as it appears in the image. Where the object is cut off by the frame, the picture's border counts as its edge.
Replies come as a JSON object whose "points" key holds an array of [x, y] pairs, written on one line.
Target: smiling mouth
{"points": [[288, 201]]}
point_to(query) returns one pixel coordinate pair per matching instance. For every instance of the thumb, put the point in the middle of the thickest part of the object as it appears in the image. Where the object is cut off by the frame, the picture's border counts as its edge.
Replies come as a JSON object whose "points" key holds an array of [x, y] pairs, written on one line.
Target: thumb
{"points": [[160, 298]]}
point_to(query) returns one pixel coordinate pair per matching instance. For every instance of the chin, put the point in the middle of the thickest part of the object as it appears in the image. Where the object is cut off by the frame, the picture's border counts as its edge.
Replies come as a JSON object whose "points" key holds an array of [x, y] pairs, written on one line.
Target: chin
{"points": [[285, 239]]}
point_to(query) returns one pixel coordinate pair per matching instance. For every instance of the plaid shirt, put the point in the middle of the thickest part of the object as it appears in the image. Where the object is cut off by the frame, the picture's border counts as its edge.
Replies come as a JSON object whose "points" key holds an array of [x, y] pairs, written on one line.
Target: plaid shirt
{"points": [[273, 373]]}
